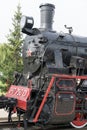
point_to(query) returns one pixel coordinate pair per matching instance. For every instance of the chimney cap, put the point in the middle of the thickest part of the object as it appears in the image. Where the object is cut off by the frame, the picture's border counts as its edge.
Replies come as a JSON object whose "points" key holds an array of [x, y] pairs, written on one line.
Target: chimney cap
{"points": [[47, 4]]}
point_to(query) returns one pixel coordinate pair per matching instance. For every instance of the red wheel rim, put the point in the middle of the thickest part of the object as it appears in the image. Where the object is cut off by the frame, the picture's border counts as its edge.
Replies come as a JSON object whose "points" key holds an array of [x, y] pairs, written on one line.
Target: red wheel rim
{"points": [[79, 121]]}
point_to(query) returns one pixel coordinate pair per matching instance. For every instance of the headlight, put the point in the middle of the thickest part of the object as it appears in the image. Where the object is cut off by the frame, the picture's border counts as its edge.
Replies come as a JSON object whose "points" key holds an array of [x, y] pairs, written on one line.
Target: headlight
{"points": [[23, 21], [26, 22]]}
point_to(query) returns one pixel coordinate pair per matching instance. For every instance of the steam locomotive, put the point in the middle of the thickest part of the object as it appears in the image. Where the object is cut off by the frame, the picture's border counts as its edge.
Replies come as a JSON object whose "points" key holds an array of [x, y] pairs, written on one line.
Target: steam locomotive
{"points": [[53, 86]]}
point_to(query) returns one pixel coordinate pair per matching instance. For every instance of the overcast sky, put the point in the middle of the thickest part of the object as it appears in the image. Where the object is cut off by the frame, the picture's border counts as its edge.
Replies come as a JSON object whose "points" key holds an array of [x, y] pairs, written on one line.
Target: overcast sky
{"points": [[70, 12]]}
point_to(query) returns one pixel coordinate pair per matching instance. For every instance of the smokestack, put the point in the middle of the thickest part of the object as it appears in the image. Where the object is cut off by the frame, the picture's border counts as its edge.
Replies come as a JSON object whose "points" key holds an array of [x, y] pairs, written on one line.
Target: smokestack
{"points": [[47, 13]]}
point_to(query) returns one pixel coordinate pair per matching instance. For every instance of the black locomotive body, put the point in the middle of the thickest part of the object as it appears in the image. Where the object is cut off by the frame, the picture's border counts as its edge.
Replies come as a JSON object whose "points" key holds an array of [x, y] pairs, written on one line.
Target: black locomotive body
{"points": [[53, 86]]}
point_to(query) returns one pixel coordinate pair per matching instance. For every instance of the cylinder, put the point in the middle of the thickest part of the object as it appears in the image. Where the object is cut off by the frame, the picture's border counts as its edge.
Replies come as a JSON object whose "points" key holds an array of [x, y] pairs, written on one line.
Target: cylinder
{"points": [[47, 14]]}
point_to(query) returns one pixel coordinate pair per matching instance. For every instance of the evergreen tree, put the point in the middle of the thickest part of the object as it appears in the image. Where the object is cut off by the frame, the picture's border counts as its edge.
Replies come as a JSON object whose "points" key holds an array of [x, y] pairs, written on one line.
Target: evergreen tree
{"points": [[15, 40], [10, 53]]}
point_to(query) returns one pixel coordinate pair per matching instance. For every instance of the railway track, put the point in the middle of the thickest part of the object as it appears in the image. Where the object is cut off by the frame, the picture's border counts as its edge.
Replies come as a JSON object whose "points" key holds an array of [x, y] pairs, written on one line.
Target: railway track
{"points": [[13, 126]]}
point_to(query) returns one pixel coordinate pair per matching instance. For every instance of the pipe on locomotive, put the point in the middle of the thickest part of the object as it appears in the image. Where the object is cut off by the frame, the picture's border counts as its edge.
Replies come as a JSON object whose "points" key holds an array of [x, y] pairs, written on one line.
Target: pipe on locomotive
{"points": [[47, 14]]}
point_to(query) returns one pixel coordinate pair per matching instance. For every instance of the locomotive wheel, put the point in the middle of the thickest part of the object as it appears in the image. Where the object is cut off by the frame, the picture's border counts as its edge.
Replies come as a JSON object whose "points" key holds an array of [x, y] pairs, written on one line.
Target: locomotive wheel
{"points": [[79, 121]]}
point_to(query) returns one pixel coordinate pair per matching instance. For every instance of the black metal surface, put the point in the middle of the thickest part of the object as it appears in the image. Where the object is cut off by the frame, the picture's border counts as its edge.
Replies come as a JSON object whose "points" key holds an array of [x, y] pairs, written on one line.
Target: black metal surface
{"points": [[47, 52], [47, 13]]}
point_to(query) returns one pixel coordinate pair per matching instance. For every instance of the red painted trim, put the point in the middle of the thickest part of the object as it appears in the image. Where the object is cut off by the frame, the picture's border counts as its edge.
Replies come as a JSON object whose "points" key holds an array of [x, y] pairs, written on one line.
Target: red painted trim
{"points": [[70, 76], [73, 109], [29, 84], [44, 99], [61, 79], [79, 121], [50, 86], [22, 94]]}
